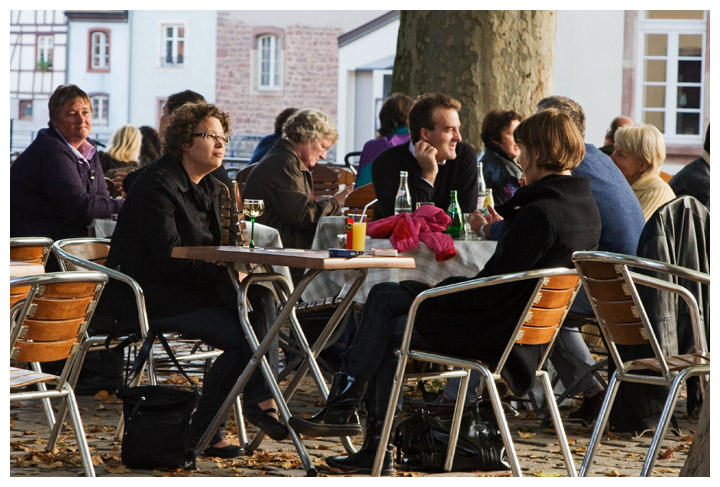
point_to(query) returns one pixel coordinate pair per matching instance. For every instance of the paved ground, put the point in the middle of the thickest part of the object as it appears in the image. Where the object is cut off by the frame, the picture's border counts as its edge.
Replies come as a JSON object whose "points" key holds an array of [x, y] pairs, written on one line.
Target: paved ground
{"points": [[619, 455]]}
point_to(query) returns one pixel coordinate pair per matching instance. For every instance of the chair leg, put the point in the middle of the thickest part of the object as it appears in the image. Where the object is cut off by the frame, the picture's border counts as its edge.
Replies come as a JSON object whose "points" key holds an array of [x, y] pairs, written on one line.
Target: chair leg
{"points": [[502, 422], [557, 422], [79, 433], [600, 424], [47, 405], [662, 425], [457, 419], [242, 432]]}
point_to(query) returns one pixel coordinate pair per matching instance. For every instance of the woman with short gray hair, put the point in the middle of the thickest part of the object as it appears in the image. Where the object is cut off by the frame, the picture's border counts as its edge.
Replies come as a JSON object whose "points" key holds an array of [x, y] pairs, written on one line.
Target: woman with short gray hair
{"points": [[639, 154], [283, 179]]}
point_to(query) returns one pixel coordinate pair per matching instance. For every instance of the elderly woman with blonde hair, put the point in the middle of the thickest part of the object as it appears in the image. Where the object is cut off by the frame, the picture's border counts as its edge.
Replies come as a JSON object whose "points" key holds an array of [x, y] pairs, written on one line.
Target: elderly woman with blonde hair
{"points": [[639, 154], [283, 179]]}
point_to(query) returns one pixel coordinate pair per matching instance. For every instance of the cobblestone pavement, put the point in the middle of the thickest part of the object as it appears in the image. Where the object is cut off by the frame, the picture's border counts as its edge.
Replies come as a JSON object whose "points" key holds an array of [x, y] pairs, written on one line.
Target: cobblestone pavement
{"points": [[619, 455]]}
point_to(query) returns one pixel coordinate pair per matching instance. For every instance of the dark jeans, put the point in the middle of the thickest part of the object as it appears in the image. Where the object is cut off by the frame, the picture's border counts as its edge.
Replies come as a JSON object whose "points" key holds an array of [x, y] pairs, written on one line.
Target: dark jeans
{"points": [[220, 327], [370, 356]]}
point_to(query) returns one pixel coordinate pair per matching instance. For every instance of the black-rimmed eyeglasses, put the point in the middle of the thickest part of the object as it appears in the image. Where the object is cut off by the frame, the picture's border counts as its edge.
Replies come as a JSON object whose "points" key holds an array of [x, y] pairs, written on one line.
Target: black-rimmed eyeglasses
{"points": [[209, 135]]}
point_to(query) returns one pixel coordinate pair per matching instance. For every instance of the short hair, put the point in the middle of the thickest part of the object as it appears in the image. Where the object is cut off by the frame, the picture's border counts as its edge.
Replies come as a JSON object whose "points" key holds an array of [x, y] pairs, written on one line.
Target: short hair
{"points": [[644, 142], [125, 144], [422, 112], [568, 106], [553, 135], [495, 122], [282, 118], [616, 124], [309, 125], [183, 121], [394, 113], [150, 147], [176, 100], [62, 95]]}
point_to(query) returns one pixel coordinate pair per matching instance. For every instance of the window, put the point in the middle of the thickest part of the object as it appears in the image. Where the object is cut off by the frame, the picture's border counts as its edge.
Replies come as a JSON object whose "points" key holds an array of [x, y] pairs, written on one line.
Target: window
{"points": [[99, 50], [99, 103], [268, 62], [173, 45], [44, 51], [672, 73], [26, 110]]}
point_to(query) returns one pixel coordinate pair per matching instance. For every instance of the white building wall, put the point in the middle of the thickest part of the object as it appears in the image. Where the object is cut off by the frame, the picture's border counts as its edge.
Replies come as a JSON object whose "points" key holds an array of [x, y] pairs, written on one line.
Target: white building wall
{"points": [[377, 45], [149, 80], [113, 83], [588, 66]]}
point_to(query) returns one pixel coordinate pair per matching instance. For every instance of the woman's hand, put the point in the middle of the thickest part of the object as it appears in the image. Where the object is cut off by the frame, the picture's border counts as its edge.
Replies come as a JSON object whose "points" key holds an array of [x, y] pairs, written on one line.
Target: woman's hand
{"points": [[342, 194]]}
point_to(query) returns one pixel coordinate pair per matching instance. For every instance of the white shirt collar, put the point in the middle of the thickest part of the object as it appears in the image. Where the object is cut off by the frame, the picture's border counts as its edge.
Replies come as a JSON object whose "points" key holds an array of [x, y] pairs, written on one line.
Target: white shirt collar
{"points": [[86, 152]]}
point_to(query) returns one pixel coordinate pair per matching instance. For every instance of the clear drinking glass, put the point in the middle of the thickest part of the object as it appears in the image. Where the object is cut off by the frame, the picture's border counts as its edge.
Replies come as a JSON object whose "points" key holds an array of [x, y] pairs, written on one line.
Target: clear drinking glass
{"points": [[253, 209], [466, 226]]}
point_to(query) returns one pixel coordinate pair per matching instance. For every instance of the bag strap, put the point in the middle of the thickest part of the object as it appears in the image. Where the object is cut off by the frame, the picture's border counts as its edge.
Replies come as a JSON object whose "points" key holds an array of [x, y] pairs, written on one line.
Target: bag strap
{"points": [[144, 353]]}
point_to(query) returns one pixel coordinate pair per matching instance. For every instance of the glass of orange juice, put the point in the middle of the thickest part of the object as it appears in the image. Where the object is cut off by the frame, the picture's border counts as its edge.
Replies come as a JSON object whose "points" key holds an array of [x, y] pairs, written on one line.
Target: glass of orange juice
{"points": [[358, 236]]}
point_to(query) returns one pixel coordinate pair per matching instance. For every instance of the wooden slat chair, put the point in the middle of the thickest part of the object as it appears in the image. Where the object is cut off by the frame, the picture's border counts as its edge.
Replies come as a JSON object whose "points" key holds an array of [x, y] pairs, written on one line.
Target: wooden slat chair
{"points": [[242, 176], [345, 176], [611, 281], [358, 198], [538, 325], [30, 249], [49, 327], [90, 254], [325, 181]]}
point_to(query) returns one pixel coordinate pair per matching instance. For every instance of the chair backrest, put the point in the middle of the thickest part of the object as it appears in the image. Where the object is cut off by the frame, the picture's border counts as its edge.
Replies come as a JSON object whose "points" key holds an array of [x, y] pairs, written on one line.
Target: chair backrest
{"points": [[349, 164], [357, 199], [611, 281], [30, 249], [325, 181], [229, 214], [345, 176], [545, 311], [55, 315], [88, 249], [242, 176]]}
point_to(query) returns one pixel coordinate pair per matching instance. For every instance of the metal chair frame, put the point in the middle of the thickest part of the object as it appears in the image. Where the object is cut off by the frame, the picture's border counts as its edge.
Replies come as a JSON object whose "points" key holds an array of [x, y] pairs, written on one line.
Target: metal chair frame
{"points": [[30, 249], [98, 342], [611, 286], [541, 296], [53, 317]]}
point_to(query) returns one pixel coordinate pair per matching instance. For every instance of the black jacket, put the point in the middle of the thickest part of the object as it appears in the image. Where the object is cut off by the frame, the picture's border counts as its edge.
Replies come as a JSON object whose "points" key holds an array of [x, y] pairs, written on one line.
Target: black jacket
{"points": [[164, 210], [546, 223], [501, 174]]}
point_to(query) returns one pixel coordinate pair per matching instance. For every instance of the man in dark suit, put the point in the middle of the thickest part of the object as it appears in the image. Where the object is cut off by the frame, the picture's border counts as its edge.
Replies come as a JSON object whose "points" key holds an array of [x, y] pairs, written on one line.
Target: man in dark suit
{"points": [[436, 159]]}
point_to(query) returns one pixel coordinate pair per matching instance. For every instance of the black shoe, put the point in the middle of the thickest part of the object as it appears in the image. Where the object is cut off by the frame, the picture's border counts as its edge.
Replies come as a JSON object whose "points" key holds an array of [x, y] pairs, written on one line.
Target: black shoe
{"points": [[262, 419], [588, 411], [229, 451], [361, 462], [339, 416]]}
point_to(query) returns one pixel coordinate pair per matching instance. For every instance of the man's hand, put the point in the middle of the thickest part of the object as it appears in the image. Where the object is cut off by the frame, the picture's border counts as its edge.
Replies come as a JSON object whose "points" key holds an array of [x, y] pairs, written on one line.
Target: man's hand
{"points": [[425, 155], [478, 219]]}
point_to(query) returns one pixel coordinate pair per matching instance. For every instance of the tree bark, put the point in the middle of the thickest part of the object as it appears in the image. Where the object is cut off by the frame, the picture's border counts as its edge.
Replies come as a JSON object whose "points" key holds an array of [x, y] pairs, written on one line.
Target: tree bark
{"points": [[486, 59], [697, 464]]}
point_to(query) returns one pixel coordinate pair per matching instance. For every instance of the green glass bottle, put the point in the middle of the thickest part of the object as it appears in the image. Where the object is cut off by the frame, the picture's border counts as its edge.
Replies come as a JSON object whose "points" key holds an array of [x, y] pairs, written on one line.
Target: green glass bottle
{"points": [[455, 228]]}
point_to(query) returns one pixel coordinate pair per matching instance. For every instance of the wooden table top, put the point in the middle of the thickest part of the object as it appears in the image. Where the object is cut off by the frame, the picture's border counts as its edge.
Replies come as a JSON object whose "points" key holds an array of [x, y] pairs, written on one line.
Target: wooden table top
{"points": [[307, 259], [19, 269]]}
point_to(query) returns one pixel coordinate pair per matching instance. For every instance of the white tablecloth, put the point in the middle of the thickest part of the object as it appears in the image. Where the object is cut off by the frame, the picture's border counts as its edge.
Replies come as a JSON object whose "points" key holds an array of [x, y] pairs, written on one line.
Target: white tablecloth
{"points": [[471, 258]]}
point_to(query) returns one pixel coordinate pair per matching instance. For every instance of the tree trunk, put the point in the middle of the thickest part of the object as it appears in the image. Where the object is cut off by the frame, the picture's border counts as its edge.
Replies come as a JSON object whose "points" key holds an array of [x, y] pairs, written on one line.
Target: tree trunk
{"points": [[486, 59], [697, 463]]}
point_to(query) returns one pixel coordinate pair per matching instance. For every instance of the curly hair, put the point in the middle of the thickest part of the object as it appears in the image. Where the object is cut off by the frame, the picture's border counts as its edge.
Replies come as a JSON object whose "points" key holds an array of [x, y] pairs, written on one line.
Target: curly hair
{"points": [[309, 125], [183, 121], [125, 144], [422, 112], [554, 136], [495, 122]]}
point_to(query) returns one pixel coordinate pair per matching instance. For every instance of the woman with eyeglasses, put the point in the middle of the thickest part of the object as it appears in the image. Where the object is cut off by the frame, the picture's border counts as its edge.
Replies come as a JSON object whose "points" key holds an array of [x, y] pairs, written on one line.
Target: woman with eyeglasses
{"points": [[175, 203]]}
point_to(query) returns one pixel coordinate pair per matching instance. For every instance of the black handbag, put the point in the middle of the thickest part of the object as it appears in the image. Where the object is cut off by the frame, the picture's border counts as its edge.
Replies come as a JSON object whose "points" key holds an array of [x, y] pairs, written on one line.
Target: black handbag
{"points": [[157, 418], [422, 440]]}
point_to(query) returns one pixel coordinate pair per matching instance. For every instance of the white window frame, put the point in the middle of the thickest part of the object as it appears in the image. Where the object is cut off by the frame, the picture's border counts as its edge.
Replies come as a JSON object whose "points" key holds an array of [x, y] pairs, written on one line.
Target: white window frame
{"points": [[271, 57], [45, 46], [176, 41], [673, 28], [99, 50], [100, 104]]}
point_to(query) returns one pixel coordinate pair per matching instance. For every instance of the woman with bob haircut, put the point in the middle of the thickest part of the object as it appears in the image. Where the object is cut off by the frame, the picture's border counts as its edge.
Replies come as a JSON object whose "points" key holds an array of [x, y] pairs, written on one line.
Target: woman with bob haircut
{"points": [[639, 154], [547, 220], [175, 203], [283, 179], [123, 152]]}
